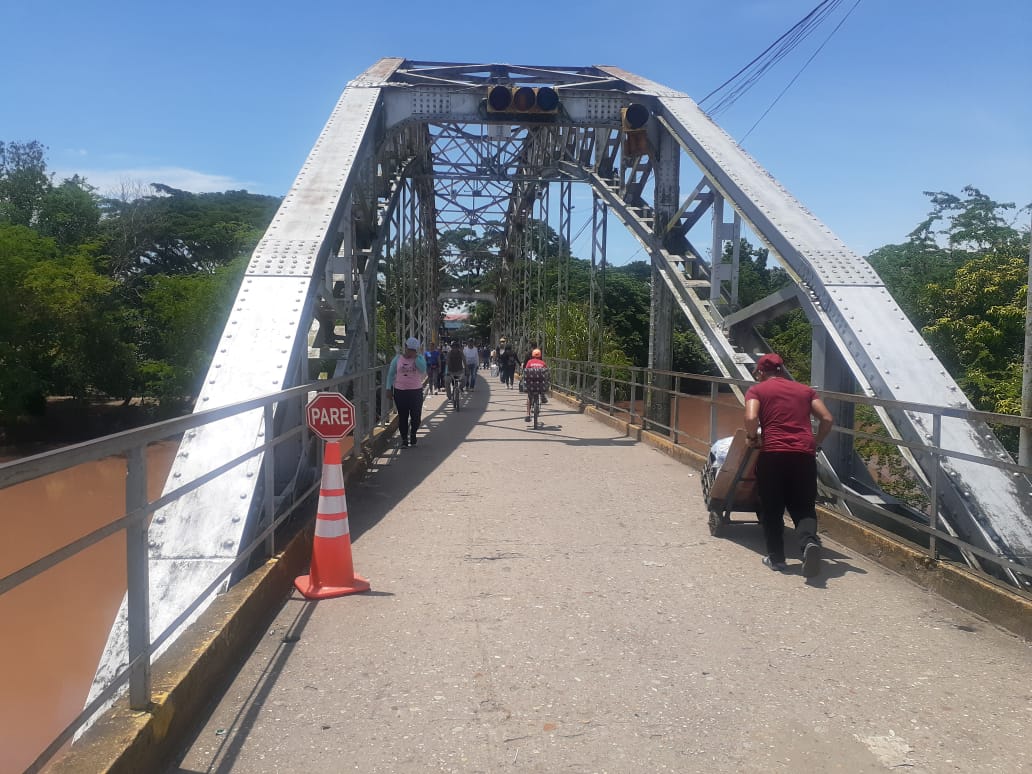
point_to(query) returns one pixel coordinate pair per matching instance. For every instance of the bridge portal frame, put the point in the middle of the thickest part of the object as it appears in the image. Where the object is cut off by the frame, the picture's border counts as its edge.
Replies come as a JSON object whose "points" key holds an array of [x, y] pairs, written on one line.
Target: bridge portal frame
{"points": [[369, 189]]}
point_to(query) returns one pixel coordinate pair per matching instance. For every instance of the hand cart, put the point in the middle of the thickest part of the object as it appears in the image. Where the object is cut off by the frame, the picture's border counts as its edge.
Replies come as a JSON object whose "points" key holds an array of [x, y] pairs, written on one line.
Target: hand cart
{"points": [[730, 486]]}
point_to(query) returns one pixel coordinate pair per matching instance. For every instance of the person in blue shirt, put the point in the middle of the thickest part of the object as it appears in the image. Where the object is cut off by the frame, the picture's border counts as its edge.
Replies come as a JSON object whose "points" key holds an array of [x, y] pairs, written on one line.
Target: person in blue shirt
{"points": [[433, 368]]}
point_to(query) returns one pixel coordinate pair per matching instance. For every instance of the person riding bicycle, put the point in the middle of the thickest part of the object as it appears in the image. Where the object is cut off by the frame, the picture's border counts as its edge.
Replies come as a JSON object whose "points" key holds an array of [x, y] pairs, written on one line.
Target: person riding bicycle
{"points": [[456, 367], [536, 378]]}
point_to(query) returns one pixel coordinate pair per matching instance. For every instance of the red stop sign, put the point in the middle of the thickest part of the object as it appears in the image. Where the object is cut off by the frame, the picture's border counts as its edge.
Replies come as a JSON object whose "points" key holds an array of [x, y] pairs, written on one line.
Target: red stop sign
{"points": [[330, 415]]}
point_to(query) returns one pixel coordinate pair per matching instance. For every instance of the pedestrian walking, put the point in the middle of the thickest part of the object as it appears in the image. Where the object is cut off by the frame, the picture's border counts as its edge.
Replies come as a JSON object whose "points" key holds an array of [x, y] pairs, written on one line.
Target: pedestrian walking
{"points": [[506, 359], [472, 364], [433, 368], [777, 422], [405, 387]]}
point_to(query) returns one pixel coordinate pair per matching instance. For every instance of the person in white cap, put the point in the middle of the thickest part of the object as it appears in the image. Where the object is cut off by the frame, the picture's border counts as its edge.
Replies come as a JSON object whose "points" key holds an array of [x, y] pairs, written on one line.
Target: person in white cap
{"points": [[405, 386]]}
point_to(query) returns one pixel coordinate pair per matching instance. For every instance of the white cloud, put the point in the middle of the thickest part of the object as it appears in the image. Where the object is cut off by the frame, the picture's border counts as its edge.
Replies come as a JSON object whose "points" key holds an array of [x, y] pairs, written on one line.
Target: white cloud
{"points": [[111, 182]]}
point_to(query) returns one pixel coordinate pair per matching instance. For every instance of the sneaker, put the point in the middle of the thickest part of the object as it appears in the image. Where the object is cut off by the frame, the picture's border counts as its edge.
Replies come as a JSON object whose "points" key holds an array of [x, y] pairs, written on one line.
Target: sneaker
{"points": [[526, 419], [404, 444], [775, 566], [812, 560], [413, 441]]}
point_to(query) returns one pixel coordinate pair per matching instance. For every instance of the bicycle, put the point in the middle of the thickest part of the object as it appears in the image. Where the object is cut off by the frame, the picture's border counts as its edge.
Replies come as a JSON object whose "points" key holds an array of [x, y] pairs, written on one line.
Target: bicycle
{"points": [[535, 408], [455, 389]]}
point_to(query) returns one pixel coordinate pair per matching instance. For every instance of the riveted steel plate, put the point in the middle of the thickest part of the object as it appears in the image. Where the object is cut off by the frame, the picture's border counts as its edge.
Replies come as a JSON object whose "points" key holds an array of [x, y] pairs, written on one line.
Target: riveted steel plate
{"points": [[842, 267], [290, 257]]}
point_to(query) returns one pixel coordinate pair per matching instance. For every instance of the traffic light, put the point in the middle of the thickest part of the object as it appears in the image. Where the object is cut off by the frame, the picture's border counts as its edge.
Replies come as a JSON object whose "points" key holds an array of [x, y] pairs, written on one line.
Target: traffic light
{"points": [[633, 121], [525, 102]]}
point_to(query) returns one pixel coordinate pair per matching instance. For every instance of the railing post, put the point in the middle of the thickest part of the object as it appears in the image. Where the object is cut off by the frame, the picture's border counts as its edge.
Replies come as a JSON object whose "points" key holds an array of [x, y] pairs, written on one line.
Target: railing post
{"points": [[612, 390], [714, 393], [676, 398], [634, 390], [647, 399], [270, 482], [138, 579], [933, 513], [598, 384]]}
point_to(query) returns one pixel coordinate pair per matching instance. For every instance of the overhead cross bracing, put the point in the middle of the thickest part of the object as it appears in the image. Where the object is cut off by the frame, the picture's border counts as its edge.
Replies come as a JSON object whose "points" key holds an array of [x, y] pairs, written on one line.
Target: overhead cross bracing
{"points": [[414, 150]]}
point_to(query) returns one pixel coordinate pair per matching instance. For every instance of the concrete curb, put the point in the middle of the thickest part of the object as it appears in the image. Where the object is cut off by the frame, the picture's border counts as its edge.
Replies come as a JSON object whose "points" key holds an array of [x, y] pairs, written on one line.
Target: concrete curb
{"points": [[1001, 605], [207, 655]]}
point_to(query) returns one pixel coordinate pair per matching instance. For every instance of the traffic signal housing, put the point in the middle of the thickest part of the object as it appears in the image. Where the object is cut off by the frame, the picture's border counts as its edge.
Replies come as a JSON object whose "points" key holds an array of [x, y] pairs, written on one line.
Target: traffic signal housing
{"points": [[634, 121], [540, 103]]}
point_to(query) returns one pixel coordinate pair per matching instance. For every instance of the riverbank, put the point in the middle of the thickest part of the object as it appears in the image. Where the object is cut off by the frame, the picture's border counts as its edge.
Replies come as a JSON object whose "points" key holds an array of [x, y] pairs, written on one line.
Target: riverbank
{"points": [[69, 421]]}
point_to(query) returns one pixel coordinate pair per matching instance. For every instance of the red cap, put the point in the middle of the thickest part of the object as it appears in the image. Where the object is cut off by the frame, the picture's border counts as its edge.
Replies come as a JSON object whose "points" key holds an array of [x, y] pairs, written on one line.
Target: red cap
{"points": [[769, 362]]}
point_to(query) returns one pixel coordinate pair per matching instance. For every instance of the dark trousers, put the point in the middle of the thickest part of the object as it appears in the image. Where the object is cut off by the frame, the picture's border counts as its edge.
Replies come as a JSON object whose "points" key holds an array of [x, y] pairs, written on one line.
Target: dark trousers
{"points": [[787, 481], [410, 412]]}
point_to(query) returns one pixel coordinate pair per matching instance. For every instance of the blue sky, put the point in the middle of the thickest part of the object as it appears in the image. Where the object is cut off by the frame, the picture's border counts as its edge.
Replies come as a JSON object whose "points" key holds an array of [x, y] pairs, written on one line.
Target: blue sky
{"points": [[908, 96]]}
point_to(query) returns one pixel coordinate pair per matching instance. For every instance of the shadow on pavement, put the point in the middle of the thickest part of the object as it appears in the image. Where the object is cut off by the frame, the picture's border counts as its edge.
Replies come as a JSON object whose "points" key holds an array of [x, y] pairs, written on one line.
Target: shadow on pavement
{"points": [[231, 739], [748, 534]]}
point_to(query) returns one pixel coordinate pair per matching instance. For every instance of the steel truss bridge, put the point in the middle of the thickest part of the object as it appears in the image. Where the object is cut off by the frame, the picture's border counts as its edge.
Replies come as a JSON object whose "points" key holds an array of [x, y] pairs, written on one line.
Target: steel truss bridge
{"points": [[414, 150]]}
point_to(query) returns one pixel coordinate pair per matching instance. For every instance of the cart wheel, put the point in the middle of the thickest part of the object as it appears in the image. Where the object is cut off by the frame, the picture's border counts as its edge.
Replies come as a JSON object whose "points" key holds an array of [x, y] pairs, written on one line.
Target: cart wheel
{"points": [[716, 524]]}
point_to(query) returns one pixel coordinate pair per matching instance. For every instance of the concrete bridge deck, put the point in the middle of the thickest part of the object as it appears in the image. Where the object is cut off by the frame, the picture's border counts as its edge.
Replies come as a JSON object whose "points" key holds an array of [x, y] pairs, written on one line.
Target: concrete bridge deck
{"points": [[552, 601]]}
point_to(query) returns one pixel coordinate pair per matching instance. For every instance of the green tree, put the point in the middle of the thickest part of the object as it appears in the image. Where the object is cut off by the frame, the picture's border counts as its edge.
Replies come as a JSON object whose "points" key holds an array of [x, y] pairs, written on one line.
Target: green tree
{"points": [[977, 327], [24, 182], [955, 230], [79, 327], [626, 309], [574, 340], [70, 212], [756, 280], [178, 232], [23, 378], [183, 316], [974, 223], [469, 255]]}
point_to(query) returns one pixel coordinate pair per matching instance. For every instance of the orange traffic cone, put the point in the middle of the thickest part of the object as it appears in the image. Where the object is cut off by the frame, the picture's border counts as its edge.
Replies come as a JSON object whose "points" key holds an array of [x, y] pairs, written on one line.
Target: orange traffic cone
{"points": [[332, 573]]}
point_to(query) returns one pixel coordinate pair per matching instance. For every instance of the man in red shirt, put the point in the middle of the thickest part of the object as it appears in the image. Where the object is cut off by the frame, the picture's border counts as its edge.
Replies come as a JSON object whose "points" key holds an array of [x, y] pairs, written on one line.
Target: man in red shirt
{"points": [[786, 470], [536, 377]]}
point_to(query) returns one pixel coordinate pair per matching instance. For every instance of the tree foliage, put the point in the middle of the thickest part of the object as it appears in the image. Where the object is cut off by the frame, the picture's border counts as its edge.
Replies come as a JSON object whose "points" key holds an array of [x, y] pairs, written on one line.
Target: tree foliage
{"points": [[113, 298], [962, 277], [24, 182], [177, 232], [123, 296]]}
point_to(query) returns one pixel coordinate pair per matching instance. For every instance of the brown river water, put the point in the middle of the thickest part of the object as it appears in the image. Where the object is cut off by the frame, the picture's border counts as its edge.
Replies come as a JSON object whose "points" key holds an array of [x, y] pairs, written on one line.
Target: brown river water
{"points": [[54, 627]]}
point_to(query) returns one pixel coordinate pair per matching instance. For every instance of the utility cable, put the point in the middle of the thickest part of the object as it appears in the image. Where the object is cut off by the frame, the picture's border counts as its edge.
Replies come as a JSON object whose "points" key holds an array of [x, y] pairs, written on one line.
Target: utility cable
{"points": [[796, 76], [738, 84]]}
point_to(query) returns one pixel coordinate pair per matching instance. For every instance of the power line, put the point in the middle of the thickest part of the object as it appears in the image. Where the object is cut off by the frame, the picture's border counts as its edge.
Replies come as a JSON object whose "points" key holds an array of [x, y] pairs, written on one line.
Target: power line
{"points": [[796, 76], [738, 84]]}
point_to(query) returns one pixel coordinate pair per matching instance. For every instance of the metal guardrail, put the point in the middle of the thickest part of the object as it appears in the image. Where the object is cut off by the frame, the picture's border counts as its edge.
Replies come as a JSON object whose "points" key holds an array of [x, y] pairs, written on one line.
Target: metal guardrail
{"points": [[132, 444], [630, 390]]}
